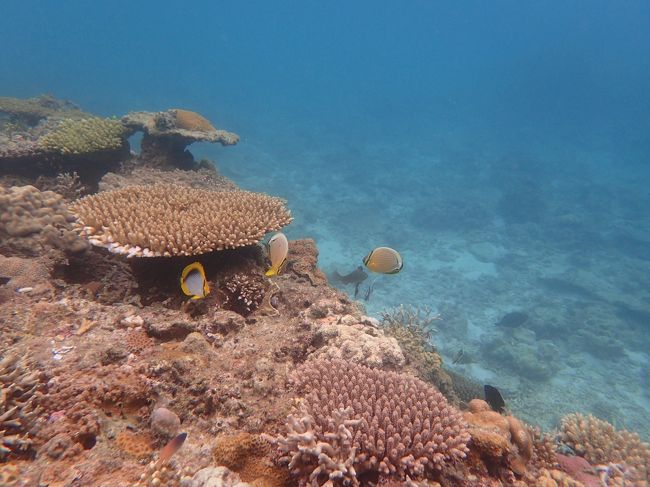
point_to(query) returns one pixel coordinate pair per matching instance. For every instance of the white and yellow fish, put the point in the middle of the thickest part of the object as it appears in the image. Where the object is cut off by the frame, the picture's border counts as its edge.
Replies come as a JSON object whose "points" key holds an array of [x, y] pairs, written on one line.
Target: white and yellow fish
{"points": [[193, 281], [277, 248], [384, 260]]}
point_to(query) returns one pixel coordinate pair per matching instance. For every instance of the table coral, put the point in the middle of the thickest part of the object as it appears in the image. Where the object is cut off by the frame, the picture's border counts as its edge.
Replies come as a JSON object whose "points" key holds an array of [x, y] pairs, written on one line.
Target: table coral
{"points": [[166, 220]]}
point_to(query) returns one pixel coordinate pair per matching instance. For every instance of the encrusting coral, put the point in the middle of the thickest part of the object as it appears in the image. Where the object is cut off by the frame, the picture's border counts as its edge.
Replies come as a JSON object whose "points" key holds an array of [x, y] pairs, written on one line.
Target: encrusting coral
{"points": [[250, 456], [166, 220], [600, 443], [244, 293], [356, 420]]}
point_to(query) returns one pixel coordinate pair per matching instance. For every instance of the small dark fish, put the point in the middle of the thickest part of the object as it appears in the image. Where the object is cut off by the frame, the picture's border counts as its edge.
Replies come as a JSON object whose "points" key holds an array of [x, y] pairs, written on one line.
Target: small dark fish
{"points": [[458, 356], [356, 290], [357, 276], [513, 319], [169, 449], [494, 399], [369, 290]]}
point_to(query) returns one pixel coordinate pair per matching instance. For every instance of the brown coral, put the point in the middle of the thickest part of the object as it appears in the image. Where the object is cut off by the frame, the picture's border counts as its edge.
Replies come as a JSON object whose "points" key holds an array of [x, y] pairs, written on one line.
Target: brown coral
{"points": [[499, 440], [136, 445], [166, 220], [31, 220], [244, 293], [356, 419], [249, 456], [599, 442]]}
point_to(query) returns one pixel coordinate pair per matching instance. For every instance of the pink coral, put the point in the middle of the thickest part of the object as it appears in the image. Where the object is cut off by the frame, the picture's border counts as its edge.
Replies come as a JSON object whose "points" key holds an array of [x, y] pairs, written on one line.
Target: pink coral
{"points": [[366, 419]]}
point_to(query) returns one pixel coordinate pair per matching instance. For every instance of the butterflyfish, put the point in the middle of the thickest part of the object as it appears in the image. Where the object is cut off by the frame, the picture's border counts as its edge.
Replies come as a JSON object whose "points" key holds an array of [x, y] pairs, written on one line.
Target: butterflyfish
{"points": [[384, 260], [277, 248], [193, 281]]}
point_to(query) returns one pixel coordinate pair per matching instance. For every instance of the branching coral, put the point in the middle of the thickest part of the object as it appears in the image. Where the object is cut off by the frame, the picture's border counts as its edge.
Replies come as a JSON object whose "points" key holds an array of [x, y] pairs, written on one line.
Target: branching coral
{"points": [[21, 389], [244, 293], [600, 443], [166, 220], [369, 420]]}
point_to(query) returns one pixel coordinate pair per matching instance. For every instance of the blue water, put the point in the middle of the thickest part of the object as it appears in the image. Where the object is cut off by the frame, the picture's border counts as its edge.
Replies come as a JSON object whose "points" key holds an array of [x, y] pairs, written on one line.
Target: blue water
{"points": [[502, 147]]}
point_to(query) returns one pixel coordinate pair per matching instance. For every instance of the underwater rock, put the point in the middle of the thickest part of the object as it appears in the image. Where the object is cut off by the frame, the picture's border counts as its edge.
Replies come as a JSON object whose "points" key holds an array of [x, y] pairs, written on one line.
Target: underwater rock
{"points": [[215, 477], [513, 319], [165, 422], [360, 344]]}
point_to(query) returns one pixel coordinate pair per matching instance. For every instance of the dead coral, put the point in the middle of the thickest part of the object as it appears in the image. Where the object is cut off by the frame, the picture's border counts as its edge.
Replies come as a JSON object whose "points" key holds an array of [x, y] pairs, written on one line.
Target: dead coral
{"points": [[397, 425], [166, 220], [135, 444], [243, 293], [147, 176], [303, 261], [21, 391], [27, 112], [600, 443]]}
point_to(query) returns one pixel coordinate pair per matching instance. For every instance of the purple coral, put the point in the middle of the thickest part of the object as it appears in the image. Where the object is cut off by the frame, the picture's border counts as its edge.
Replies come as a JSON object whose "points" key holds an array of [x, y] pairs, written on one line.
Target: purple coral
{"points": [[356, 419]]}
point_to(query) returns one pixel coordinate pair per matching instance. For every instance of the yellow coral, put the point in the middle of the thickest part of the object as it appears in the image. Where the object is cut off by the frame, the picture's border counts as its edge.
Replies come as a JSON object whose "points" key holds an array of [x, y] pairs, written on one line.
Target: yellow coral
{"points": [[84, 136]]}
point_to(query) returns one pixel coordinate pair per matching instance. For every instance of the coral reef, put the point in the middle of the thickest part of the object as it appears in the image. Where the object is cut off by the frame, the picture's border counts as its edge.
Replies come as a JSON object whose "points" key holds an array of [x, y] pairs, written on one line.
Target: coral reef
{"points": [[250, 457], [168, 133], [84, 136], [21, 390], [600, 443], [165, 220], [356, 420], [244, 293], [201, 178], [31, 221], [28, 112]]}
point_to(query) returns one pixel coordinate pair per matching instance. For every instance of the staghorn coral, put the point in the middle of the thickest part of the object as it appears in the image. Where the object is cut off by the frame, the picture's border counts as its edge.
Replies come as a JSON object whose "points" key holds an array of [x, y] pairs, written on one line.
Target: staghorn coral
{"points": [[166, 220], [600, 443], [21, 390], [66, 184], [243, 293], [369, 420], [84, 136]]}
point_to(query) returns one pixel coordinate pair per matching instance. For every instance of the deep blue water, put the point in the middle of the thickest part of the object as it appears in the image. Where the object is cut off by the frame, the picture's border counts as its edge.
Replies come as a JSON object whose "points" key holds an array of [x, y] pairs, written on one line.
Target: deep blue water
{"points": [[503, 148]]}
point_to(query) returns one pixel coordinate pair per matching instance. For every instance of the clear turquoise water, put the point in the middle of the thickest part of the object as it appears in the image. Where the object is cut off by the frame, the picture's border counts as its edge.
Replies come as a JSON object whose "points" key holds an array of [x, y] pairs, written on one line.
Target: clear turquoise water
{"points": [[501, 147]]}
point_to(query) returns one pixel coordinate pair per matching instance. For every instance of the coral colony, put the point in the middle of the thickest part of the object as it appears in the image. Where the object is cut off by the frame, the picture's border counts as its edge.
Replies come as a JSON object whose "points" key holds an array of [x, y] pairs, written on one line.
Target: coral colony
{"points": [[112, 375]]}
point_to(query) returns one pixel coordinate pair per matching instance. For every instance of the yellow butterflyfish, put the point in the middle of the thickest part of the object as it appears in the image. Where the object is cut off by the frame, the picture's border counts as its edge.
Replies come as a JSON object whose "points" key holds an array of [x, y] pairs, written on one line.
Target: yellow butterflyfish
{"points": [[193, 281], [384, 260], [278, 248]]}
